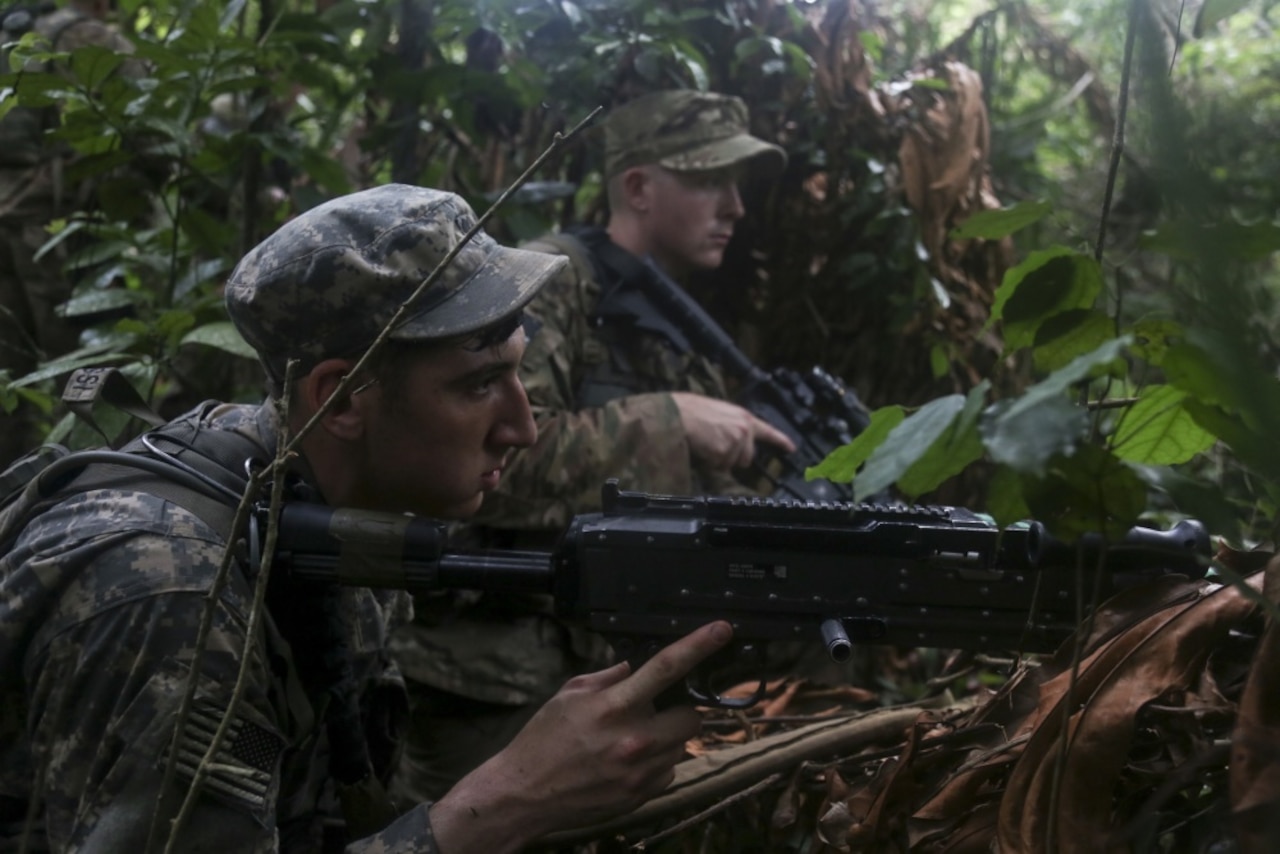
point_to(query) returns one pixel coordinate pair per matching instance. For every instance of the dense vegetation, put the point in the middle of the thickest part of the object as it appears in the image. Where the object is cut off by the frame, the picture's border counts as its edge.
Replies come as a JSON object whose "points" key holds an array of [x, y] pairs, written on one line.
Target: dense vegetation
{"points": [[1038, 238]]}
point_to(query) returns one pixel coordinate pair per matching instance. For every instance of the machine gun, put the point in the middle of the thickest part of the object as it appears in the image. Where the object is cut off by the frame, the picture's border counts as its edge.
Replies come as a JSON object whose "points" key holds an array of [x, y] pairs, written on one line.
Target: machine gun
{"points": [[814, 409], [651, 568]]}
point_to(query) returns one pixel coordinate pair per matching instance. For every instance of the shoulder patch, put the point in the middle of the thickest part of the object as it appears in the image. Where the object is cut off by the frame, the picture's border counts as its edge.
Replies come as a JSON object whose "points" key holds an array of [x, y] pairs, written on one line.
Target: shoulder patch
{"points": [[247, 763]]}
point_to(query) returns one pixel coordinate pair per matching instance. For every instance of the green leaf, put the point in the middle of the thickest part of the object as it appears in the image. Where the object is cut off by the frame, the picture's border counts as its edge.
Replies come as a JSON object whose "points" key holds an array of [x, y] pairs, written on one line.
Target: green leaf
{"points": [[92, 64], [222, 336], [954, 450], [993, 225], [1153, 337], [1213, 12], [1073, 333], [1254, 449], [1086, 492], [1158, 431], [49, 370], [1024, 433], [1026, 438], [1005, 502], [1061, 281], [939, 363], [906, 444], [842, 463], [100, 301]]}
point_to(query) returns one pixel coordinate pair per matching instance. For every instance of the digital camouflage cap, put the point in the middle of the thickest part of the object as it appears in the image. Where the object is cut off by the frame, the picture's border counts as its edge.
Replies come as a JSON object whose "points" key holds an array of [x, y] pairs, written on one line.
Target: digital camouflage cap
{"points": [[326, 283], [683, 130]]}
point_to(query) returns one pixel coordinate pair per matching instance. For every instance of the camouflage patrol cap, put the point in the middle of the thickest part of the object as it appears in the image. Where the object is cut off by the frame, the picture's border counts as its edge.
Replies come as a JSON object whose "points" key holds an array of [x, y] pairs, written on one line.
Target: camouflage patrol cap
{"points": [[683, 130], [327, 282]]}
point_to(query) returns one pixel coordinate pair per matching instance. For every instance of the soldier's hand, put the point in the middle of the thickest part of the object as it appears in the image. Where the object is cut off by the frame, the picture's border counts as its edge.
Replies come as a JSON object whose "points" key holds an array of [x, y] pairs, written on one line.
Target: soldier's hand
{"points": [[597, 749], [723, 434]]}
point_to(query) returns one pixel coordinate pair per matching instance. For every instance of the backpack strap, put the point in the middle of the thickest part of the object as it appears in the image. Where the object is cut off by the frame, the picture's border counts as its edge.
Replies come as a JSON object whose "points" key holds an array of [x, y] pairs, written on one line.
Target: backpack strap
{"points": [[201, 470]]}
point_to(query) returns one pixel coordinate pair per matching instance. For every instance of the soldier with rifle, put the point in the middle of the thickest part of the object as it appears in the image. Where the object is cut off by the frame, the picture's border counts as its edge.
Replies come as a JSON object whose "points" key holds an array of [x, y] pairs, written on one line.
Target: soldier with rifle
{"points": [[622, 386], [142, 698]]}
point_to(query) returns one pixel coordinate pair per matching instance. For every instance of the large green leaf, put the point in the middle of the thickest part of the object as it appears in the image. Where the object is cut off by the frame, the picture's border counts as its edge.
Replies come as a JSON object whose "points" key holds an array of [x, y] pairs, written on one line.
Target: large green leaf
{"points": [[1158, 431], [1048, 282], [222, 336], [842, 463], [906, 444], [1072, 333], [1025, 438], [953, 451], [993, 225], [1089, 491], [1026, 432]]}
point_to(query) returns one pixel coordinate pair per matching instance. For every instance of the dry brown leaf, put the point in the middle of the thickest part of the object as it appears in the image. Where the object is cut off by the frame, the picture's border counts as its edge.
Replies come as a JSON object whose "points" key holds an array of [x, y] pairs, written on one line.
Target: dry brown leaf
{"points": [[1255, 754], [1163, 654]]}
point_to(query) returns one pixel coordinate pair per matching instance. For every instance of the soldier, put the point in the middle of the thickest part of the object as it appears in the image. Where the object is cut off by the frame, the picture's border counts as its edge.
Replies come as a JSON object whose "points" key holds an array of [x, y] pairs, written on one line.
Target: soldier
{"points": [[101, 595], [32, 193], [614, 397]]}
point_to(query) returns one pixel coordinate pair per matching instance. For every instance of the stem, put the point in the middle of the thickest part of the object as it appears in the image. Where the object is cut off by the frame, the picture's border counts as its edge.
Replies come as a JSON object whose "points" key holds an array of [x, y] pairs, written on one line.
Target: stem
{"points": [[1117, 146]]}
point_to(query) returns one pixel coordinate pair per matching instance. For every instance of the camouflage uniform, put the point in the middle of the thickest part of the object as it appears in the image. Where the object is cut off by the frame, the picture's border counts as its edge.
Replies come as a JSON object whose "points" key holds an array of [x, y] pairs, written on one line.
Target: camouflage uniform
{"points": [[102, 600], [478, 666], [31, 195], [101, 596]]}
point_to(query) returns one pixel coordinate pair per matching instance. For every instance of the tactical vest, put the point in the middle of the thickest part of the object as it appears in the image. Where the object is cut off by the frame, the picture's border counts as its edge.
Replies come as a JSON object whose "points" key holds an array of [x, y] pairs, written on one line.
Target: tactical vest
{"points": [[22, 129], [622, 314]]}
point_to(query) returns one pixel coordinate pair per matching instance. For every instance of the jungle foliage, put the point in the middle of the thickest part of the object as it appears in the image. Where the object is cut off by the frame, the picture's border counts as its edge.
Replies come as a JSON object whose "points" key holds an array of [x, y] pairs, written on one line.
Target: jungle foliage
{"points": [[1039, 239]]}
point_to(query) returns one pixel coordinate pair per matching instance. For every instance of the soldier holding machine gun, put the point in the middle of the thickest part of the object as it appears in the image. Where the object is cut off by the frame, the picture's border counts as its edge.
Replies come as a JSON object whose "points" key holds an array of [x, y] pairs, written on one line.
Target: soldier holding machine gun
{"points": [[624, 383], [106, 573]]}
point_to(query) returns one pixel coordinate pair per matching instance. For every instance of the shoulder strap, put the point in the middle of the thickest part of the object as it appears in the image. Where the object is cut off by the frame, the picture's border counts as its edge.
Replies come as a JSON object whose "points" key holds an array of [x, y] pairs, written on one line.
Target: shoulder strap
{"points": [[203, 471]]}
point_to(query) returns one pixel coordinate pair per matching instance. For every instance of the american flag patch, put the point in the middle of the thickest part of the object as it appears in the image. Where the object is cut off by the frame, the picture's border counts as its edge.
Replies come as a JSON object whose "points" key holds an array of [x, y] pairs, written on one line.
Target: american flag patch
{"points": [[242, 768]]}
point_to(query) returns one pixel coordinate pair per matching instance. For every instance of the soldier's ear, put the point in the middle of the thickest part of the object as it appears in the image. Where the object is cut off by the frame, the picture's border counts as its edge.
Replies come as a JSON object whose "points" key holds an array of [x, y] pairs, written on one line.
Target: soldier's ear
{"points": [[636, 184], [344, 419]]}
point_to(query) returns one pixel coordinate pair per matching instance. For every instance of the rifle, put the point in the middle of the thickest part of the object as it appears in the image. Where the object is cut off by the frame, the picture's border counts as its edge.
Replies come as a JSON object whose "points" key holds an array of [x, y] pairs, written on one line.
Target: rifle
{"points": [[814, 409], [651, 568]]}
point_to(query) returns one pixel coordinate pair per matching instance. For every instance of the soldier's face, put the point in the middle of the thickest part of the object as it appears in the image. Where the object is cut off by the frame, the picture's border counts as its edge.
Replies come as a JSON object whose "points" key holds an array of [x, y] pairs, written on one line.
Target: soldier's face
{"points": [[443, 443], [691, 217]]}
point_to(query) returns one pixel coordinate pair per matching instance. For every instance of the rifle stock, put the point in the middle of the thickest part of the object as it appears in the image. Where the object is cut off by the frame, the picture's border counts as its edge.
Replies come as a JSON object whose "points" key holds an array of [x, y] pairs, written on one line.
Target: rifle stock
{"points": [[651, 568]]}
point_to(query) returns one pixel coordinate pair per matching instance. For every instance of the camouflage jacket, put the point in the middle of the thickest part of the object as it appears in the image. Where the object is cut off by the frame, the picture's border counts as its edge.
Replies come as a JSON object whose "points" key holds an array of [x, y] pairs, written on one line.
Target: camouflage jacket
{"points": [[101, 600], [635, 436]]}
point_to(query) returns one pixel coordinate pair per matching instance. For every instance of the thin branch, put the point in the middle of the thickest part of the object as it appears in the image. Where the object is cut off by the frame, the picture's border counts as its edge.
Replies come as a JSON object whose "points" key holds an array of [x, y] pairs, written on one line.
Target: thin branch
{"points": [[256, 612], [717, 807], [201, 643], [1117, 146]]}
